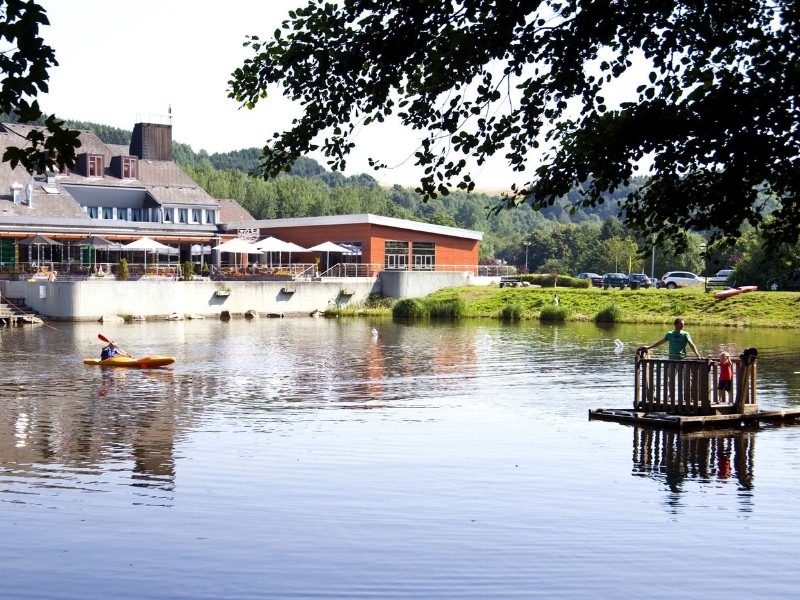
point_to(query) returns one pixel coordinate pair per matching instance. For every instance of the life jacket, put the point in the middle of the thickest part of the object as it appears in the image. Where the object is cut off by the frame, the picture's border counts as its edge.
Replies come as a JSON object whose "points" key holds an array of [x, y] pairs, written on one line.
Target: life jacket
{"points": [[107, 352]]}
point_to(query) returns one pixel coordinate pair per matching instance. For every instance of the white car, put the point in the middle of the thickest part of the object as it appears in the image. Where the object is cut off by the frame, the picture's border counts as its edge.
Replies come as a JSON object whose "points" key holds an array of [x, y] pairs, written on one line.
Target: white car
{"points": [[676, 279]]}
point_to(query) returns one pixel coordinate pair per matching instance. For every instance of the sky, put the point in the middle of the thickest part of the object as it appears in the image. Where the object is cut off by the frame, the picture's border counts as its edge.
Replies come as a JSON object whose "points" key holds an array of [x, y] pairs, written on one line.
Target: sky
{"points": [[123, 63]]}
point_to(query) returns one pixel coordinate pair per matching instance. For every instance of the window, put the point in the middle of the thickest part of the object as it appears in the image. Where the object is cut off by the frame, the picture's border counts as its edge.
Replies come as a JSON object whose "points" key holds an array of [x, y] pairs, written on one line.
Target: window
{"points": [[91, 211], [130, 167], [396, 256], [94, 166], [197, 215], [108, 213], [183, 215], [423, 256], [211, 217], [122, 214], [167, 215]]}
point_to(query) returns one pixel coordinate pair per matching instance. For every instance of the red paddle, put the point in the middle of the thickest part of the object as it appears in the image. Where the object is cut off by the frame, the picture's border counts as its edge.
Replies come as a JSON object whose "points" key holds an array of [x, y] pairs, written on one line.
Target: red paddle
{"points": [[108, 341]]}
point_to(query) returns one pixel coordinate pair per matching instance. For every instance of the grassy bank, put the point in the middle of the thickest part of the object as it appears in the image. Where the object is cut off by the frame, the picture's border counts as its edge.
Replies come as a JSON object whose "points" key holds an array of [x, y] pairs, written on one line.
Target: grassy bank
{"points": [[752, 309]]}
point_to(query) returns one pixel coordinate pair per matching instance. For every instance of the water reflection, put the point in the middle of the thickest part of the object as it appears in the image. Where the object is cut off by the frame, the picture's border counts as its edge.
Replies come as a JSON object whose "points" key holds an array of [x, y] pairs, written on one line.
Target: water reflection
{"points": [[55, 440], [675, 458], [304, 458]]}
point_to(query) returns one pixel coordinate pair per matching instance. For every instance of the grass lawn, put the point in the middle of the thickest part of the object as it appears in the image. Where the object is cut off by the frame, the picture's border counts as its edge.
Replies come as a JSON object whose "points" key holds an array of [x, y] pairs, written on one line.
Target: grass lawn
{"points": [[751, 309]]}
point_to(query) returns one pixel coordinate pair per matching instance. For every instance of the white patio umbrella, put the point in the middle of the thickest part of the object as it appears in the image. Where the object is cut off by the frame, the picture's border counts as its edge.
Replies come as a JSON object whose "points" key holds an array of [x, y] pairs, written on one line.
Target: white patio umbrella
{"points": [[327, 248], [237, 246], [272, 244], [144, 244], [294, 248]]}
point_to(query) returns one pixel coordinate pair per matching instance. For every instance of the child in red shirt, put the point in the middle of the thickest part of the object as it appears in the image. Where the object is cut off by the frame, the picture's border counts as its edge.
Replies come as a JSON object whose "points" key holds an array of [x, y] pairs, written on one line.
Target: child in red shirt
{"points": [[725, 383]]}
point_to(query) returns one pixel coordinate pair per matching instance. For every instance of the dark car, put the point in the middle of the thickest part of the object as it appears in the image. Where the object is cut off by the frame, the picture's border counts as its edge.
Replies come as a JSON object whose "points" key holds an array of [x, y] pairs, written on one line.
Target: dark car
{"points": [[615, 280], [638, 280], [597, 280], [790, 282]]}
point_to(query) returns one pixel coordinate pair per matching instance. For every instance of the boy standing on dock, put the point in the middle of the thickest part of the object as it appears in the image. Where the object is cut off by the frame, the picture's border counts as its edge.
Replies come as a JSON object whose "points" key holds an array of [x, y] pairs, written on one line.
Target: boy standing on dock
{"points": [[678, 340], [725, 383]]}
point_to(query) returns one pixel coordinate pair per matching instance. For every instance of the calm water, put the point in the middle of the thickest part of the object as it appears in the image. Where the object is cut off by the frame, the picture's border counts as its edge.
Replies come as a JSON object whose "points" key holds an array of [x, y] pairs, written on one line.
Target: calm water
{"points": [[310, 458]]}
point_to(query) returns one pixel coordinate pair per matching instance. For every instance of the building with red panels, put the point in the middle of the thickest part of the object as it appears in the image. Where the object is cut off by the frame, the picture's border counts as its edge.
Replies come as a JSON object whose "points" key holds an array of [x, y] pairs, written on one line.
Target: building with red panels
{"points": [[375, 243]]}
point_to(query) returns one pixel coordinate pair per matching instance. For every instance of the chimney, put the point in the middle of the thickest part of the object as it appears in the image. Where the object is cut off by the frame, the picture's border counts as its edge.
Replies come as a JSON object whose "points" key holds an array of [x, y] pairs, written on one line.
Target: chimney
{"points": [[151, 141], [29, 195], [16, 192]]}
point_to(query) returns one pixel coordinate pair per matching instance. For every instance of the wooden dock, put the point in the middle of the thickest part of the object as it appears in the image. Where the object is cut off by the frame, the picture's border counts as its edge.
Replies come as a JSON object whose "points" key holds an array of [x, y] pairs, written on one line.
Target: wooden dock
{"points": [[682, 394]]}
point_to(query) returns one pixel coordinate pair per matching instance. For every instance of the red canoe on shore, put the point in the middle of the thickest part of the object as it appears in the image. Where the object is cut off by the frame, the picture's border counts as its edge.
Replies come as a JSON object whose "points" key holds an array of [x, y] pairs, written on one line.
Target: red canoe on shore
{"points": [[734, 291]]}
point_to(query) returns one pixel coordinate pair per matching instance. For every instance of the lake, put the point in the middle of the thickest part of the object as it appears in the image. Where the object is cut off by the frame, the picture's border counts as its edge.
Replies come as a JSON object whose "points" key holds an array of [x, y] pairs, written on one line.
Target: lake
{"points": [[358, 458]]}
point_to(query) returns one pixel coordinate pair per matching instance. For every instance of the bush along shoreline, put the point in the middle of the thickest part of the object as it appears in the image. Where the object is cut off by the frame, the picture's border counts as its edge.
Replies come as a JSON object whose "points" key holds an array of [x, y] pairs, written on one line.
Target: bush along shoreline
{"points": [[752, 309]]}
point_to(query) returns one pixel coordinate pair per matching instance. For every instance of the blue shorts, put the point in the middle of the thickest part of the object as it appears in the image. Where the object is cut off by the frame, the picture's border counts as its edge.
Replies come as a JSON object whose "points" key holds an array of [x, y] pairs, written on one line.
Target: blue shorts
{"points": [[725, 385]]}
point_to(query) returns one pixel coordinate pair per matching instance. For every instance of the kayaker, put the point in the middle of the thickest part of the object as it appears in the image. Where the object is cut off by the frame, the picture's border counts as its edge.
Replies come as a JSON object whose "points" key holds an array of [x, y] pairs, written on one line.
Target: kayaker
{"points": [[111, 351]]}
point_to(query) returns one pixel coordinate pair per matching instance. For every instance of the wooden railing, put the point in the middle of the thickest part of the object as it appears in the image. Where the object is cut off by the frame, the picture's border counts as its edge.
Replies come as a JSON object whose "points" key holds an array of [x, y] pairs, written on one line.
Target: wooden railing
{"points": [[689, 386]]}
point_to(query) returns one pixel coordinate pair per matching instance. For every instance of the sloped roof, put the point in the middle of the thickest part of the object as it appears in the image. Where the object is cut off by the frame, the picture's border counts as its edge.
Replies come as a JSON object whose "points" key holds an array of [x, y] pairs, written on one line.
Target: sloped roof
{"points": [[163, 180], [231, 210]]}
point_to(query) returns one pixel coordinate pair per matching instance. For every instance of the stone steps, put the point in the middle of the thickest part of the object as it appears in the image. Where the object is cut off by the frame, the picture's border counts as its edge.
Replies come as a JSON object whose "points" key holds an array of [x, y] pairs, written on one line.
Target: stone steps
{"points": [[14, 312]]}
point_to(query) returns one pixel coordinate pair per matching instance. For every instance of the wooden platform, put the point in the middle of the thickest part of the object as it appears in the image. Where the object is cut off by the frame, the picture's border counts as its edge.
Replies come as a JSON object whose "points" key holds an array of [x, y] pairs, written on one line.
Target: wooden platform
{"points": [[692, 422]]}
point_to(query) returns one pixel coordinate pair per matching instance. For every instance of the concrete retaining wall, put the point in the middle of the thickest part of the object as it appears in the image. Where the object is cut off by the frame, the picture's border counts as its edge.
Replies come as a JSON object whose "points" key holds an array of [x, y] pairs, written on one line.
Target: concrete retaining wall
{"points": [[415, 284], [157, 299], [90, 300]]}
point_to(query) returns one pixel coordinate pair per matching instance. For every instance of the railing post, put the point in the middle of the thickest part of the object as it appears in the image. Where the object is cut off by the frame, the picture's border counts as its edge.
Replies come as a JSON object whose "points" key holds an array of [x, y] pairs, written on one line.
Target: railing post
{"points": [[745, 380]]}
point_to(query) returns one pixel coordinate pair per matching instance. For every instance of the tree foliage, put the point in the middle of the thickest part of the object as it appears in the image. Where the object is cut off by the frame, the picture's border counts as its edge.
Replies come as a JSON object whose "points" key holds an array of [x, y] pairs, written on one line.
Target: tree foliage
{"points": [[24, 62], [715, 111]]}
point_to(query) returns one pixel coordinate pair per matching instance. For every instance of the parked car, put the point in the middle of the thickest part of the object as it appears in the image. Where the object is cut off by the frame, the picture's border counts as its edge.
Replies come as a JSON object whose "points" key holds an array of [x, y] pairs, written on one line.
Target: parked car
{"points": [[723, 278], [597, 280], [676, 279], [618, 280], [638, 280], [790, 282]]}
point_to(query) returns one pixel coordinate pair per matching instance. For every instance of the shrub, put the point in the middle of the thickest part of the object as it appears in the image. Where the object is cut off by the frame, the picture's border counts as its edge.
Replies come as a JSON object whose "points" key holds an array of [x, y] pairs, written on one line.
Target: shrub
{"points": [[554, 314], [553, 280], [378, 301], [454, 308], [122, 272], [188, 271], [610, 314], [410, 308], [511, 312]]}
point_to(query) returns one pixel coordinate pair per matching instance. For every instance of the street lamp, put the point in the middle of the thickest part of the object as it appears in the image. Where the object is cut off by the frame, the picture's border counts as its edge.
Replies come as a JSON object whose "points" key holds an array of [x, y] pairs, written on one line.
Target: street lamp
{"points": [[653, 259], [703, 248], [527, 245]]}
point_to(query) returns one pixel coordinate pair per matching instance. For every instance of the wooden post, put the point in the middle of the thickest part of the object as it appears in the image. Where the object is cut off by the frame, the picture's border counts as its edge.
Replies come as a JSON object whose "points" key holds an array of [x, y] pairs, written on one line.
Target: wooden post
{"points": [[745, 380]]}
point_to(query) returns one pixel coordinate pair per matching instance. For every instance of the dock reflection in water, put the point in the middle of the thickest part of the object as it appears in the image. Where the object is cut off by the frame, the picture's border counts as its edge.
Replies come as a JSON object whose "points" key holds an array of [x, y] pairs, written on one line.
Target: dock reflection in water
{"points": [[674, 457]]}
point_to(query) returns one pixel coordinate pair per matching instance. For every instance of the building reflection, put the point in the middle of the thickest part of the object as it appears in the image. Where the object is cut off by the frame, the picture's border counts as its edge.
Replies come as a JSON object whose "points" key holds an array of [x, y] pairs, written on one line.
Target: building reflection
{"points": [[676, 458], [61, 439]]}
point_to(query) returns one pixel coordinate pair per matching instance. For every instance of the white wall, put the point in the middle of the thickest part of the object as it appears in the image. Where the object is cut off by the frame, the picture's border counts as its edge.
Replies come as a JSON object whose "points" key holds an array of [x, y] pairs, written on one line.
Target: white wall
{"points": [[91, 299]]}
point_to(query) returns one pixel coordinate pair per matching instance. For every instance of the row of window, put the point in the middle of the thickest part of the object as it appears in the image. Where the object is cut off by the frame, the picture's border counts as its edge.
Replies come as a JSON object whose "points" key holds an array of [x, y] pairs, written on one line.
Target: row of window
{"points": [[128, 166], [396, 256], [187, 215], [184, 216]]}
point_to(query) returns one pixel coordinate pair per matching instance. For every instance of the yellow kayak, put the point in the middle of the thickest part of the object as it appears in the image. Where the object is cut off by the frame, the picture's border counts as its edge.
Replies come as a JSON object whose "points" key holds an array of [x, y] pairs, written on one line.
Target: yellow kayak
{"points": [[146, 362]]}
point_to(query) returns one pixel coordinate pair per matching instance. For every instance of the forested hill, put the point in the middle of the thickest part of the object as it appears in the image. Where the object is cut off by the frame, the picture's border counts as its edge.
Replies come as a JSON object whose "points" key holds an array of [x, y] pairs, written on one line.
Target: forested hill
{"points": [[311, 190]]}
